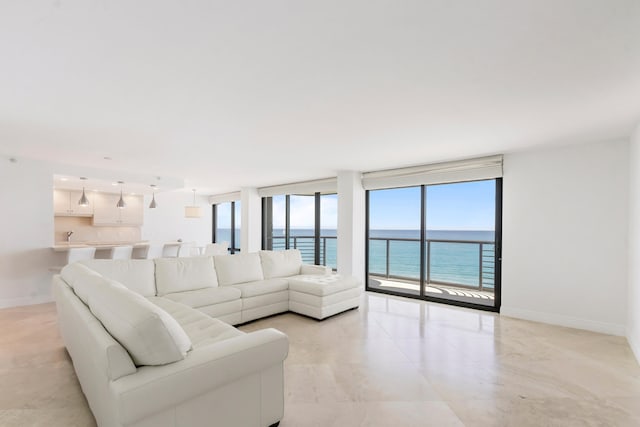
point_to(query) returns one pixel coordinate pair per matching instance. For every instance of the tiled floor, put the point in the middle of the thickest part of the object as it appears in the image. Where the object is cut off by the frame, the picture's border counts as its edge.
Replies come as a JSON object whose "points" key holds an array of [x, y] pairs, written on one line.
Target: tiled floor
{"points": [[393, 362]]}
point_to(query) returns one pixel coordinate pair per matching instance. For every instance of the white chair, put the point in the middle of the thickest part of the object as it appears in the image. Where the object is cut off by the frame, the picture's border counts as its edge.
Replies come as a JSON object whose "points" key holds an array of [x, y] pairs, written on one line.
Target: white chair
{"points": [[187, 250], [79, 254], [121, 252], [141, 252], [221, 248], [170, 250]]}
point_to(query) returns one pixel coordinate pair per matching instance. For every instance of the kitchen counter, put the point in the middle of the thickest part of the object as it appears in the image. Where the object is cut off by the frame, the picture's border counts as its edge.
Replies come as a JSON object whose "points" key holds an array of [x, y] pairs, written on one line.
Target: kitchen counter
{"points": [[64, 246]]}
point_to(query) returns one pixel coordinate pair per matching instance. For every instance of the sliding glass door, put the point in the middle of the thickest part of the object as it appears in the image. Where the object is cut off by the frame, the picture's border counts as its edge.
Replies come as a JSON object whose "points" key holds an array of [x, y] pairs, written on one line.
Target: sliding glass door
{"points": [[460, 244], [394, 240], [437, 242], [307, 222], [227, 224], [302, 225], [329, 230]]}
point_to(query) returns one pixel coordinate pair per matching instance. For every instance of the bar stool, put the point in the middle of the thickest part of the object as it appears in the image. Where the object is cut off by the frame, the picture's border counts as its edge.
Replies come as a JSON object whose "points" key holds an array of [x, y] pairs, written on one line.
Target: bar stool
{"points": [[221, 248], [121, 252], [170, 250], [79, 254], [141, 252], [186, 250]]}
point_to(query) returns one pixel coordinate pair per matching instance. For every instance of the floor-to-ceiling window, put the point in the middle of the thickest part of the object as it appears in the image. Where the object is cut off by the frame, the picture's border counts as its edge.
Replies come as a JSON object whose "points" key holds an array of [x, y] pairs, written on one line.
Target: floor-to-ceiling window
{"points": [[306, 222], [437, 242], [461, 241], [394, 240], [328, 242], [302, 220], [227, 224]]}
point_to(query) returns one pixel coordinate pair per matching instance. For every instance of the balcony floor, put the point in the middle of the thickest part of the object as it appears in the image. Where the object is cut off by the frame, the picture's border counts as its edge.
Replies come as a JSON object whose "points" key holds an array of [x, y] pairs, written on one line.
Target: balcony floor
{"points": [[484, 297]]}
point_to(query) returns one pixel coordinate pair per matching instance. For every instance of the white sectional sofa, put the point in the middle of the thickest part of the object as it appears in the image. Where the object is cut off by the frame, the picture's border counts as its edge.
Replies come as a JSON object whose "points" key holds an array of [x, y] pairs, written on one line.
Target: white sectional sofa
{"points": [[152, 344]]}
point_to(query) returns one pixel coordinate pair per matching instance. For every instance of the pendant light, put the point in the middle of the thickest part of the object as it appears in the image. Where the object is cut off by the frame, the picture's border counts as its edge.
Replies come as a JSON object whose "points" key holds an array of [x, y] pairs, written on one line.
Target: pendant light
{"points": [[83, 200], [153, 203], [121, 204], [193, 211]]}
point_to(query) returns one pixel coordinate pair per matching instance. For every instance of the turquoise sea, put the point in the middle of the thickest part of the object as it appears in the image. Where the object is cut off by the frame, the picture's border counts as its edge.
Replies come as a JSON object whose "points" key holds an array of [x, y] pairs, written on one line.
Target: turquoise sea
{"points": [[452, 258]]}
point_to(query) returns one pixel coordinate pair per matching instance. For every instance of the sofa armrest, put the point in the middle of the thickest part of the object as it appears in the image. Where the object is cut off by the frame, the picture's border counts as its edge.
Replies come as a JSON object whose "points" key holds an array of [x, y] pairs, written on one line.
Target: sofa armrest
{"points": [[155, 388], [315, 269]]}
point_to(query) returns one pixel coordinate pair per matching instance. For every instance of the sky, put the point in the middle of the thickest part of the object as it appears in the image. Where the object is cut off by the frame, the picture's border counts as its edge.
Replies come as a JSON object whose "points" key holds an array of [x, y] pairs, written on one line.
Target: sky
{"points": [[223, 214], [458, 206], [303, 211]]}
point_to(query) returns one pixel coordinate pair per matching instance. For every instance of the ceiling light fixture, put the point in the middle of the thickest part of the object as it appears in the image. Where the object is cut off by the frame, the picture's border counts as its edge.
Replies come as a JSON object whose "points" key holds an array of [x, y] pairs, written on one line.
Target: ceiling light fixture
{"points": [[121, 204], [193, 211], [83, 200], [153, 203]]}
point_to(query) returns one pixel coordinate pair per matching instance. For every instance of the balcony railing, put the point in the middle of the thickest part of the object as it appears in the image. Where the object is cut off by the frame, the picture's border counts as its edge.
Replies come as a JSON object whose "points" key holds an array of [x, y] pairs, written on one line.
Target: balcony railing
{"points": [[463, 263], [306, 246]]}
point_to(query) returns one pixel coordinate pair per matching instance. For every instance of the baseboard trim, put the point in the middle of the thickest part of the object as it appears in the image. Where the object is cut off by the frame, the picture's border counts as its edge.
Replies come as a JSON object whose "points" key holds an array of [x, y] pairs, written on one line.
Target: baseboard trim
{"points": [[561, 320], [19, 302], [634, 344]]}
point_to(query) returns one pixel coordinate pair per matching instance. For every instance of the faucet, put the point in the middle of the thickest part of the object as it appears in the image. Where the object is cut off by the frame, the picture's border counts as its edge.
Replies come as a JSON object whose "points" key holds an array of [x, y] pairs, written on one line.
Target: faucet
{"points": [[69, 233]]}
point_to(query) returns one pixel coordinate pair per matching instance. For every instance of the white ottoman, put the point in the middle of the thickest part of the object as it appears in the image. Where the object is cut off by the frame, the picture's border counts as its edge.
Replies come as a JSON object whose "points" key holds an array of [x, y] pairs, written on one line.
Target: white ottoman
{"points": [[323, 296]]}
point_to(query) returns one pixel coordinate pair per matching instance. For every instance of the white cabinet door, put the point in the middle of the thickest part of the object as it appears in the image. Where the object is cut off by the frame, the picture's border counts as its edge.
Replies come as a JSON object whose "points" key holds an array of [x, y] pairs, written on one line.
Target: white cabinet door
{"points": [[106, 212], [133, 213], [60, 202], [65, 203]]}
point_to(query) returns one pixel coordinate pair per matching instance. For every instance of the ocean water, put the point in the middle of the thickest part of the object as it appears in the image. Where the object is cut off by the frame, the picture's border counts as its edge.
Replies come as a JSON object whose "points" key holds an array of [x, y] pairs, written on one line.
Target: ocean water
{"points": [[453, 261]]}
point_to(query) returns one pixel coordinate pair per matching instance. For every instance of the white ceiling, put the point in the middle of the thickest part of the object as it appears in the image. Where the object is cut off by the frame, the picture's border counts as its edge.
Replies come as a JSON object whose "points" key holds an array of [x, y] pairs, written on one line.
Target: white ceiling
{"points": [[225, 94]]}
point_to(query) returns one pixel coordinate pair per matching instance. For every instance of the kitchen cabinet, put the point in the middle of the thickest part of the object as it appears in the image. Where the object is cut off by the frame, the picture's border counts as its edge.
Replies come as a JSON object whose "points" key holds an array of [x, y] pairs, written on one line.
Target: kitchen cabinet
{"points": [[106, 213], [65, 203]]}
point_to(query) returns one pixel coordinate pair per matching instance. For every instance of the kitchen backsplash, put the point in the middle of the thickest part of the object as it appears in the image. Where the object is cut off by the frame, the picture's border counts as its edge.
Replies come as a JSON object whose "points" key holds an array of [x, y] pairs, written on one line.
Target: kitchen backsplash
{"points": [[83, 231]]}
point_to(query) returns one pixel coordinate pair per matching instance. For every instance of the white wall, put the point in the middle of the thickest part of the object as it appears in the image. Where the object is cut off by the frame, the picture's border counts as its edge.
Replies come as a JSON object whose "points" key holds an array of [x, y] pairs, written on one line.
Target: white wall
{"points": [[633, 321], [565, 236], [26, 214]]}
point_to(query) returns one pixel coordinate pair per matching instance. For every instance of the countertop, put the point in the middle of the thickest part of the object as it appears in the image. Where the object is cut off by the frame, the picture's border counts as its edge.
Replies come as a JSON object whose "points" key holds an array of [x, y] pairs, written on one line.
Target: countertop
{"points": [[64, 246]]}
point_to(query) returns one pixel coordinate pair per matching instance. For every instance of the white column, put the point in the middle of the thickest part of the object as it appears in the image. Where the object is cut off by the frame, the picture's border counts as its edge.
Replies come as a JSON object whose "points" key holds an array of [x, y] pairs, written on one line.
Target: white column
{"points": [[251, 227], [351, 223]]}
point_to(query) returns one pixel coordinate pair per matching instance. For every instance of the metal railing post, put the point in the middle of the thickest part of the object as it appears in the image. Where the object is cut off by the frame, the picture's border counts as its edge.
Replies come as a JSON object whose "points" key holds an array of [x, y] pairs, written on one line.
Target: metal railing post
{"points": [[480, 268], [428, 261], [387, 240], [324, 251]]}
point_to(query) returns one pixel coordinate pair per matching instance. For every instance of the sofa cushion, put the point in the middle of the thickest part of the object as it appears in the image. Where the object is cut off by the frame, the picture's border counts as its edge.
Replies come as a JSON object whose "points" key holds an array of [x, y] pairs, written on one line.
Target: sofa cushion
{"points": [[85, 288], [238, 268], [135, 274], [307, 269], [72, 273], [84, 280], [201, 329], [322, 285], [148, 333], [280, 263], [184, 274], [205, 297], [262, 287]]}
